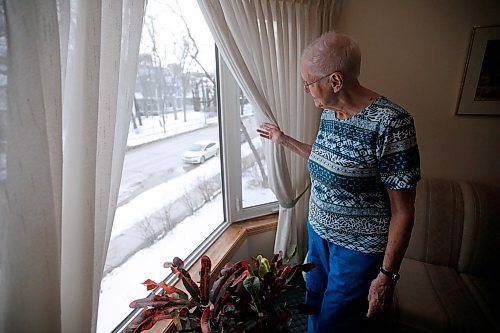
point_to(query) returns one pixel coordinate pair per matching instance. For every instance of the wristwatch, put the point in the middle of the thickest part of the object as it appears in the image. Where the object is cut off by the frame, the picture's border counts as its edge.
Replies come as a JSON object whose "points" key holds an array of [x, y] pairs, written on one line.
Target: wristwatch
{"points": [[394, 276]]}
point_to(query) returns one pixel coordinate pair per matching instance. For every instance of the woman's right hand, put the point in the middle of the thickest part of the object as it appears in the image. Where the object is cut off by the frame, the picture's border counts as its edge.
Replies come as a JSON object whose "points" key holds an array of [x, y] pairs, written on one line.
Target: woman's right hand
{"points": [[271, 132]]}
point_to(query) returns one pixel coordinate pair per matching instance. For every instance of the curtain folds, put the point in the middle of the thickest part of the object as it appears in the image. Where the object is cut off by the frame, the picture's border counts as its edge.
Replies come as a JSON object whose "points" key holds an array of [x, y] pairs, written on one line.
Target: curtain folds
{"points": [[31, 183], [262, 41], [71, 78]]}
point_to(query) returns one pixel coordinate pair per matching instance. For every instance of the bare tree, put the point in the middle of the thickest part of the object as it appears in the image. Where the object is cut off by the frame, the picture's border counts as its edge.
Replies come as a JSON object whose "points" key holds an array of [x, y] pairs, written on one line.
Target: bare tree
{"points": [[146, 85], [189, 201], [187, 52], [166, 219], [208, 187], [258, 160], [137, 111], [148, 231], [190, 50], [193, 51], [184, 75], [158, 69]]}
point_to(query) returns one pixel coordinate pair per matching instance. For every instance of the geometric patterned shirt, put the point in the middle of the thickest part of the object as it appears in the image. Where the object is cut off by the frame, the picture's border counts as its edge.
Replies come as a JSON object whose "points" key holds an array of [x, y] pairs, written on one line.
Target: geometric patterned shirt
{"points": [[352, 164]]}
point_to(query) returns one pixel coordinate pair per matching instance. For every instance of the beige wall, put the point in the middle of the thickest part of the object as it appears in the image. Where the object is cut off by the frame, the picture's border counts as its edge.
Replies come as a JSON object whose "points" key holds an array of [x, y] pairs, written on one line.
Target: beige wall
{"points": [[414, 52], [261, 243]]}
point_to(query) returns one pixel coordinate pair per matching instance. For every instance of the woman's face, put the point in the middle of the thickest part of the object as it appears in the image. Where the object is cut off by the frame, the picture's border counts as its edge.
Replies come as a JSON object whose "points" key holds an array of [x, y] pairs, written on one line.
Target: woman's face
{"points": [[319, 90]]}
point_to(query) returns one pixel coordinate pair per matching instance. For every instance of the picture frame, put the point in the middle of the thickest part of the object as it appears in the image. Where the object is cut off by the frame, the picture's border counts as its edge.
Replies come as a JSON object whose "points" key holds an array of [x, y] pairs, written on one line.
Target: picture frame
{"points": [[480, 90]]}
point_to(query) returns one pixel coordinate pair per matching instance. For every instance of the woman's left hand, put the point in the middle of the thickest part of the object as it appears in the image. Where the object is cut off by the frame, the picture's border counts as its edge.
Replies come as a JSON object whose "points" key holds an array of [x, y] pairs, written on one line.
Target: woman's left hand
{"points": [[380, 295]]}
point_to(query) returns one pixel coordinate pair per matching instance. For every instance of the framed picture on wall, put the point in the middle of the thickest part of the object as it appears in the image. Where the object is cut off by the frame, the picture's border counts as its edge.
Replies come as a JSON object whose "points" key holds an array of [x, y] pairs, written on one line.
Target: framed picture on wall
{"points": [[480, 92]]}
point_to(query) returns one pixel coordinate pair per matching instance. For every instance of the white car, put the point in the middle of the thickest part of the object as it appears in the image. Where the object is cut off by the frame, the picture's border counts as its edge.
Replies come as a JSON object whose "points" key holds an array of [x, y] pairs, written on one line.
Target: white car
{"points": [[200, 151]]}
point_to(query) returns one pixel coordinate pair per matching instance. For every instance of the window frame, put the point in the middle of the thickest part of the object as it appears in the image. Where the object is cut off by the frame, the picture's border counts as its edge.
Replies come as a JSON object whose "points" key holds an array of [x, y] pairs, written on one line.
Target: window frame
{"points": [[227, 91], [230, 133]]}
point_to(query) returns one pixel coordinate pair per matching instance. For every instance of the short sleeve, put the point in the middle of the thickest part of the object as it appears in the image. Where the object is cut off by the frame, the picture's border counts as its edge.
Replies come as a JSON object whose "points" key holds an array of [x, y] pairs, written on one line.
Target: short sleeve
{"points": [[399, 159]]}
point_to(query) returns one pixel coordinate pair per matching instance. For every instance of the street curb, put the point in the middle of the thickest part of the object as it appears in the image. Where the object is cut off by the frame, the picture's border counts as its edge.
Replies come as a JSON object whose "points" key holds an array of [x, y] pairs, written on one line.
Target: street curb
{"points": [[129, 148]]}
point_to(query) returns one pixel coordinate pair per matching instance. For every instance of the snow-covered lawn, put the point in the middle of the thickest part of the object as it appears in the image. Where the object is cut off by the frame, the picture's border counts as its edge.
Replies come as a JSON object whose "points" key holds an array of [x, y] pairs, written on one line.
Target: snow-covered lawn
{"points": [[123, 284]]}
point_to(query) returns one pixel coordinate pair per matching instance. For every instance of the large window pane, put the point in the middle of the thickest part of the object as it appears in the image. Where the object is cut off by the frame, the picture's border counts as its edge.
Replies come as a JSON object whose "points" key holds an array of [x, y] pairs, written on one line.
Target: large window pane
{"points": [[169, 200]]}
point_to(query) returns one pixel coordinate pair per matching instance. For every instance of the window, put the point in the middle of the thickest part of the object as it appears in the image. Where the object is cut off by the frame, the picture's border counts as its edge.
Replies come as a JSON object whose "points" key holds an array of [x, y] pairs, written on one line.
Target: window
{"points": [[254, 180], [184, 178]]}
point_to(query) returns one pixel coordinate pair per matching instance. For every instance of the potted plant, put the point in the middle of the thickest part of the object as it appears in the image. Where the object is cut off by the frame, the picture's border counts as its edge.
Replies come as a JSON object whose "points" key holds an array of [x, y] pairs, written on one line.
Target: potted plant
{"points": [[243, 298]]}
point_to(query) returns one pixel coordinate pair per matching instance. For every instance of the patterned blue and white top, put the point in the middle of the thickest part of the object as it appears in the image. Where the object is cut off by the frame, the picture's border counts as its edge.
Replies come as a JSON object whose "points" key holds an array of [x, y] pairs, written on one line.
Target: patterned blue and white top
{"points": [[352, 164]]}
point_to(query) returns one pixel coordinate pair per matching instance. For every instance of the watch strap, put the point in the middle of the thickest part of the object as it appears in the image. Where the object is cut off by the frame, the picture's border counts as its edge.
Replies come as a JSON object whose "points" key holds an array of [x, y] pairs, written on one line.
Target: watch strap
{"points": [[394, 276]]}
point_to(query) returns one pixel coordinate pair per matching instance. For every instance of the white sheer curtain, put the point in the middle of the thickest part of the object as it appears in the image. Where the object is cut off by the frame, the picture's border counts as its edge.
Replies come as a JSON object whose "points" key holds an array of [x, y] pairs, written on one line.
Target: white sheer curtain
{"points": [[262, 42], [31, 184], [71, 78]]}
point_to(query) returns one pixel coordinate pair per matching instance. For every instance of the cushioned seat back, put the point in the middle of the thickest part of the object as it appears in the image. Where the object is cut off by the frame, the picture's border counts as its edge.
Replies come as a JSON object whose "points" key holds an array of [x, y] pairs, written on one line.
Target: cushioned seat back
{"points": [[480, 249], [439, 216]]}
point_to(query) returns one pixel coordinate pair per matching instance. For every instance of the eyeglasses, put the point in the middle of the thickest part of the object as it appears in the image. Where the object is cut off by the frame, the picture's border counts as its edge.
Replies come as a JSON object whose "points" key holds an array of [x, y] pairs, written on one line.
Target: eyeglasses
{"points": [[307, 84]]}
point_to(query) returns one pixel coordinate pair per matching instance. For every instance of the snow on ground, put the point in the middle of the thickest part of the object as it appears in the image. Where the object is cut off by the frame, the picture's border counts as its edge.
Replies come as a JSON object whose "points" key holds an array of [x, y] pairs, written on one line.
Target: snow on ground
{"points": [[123, 285], [152, 129], [149, 202]]}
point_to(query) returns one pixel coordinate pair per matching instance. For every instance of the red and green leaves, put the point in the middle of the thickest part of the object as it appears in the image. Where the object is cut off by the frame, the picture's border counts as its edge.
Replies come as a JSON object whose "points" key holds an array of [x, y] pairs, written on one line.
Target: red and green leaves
{"points": [[168, 289], [227, 276], [177, 267], [206, 266], [158, 301], [264, 266], [252, 286], [205, 320], [171, 302], [149, 321], [266, 281], [242, 299]]}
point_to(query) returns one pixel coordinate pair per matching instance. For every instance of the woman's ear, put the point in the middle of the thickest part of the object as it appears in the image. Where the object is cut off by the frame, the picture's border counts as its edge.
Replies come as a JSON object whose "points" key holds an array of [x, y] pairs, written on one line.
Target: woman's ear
{"points": [[336, 81]]}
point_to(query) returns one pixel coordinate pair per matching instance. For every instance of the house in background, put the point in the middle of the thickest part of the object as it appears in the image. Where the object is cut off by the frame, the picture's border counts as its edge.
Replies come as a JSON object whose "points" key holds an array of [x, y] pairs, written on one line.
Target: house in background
{"points": [[414, 52]]}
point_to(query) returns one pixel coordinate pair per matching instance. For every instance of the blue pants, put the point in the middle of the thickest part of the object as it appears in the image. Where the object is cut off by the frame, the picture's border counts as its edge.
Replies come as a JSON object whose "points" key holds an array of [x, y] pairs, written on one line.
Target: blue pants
{"points": [[338, 286]]}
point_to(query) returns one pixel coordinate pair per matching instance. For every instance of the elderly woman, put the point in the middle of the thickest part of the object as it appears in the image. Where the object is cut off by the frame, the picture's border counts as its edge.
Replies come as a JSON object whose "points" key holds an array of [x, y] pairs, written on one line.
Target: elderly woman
{"points": [[364, 166]]}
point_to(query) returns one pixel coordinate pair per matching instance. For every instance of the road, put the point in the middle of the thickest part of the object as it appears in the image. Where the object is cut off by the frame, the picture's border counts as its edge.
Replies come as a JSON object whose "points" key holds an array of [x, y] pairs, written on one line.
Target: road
{"points": [[146, 167], [157, 162]]}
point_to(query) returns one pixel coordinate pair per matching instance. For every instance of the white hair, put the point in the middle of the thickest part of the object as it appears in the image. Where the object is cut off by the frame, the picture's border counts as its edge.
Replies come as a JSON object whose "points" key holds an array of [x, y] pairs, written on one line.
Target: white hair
{"points": [[333, 52]]}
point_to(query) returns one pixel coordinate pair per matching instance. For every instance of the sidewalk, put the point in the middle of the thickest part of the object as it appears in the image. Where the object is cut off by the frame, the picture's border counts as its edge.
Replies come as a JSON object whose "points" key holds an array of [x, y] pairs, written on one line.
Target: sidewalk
{"points": [[152, 129]]}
